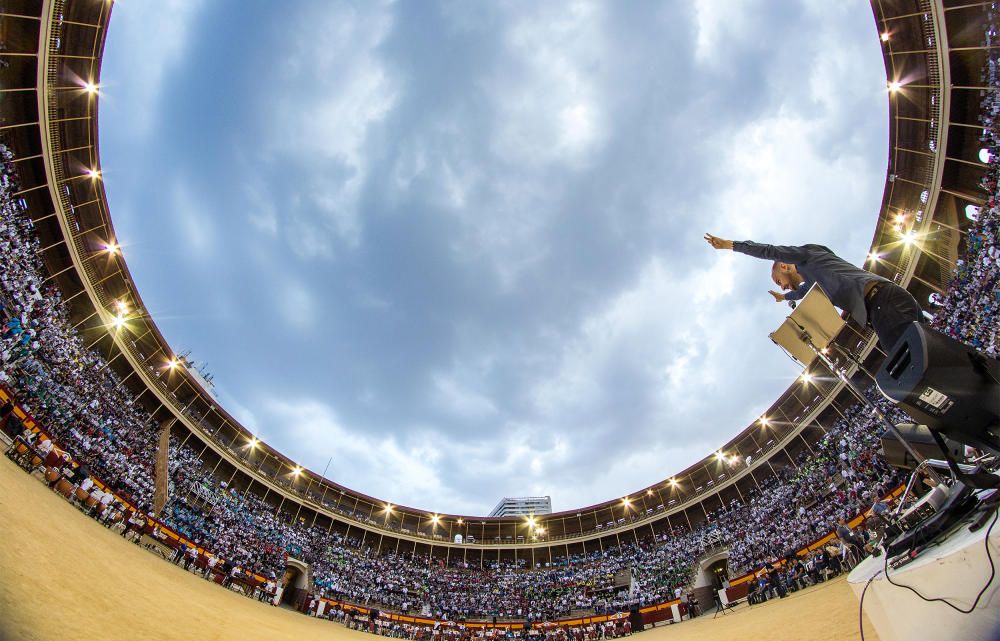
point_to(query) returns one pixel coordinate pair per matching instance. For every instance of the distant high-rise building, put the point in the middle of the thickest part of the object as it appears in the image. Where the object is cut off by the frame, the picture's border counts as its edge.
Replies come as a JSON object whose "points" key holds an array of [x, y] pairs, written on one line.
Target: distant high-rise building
{"points": [[523, 506]]}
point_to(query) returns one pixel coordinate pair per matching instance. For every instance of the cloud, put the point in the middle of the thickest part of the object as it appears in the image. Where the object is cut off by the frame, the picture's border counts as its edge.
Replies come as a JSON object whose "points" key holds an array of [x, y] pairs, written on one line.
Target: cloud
{"points": [[296, 303], [163, 48], [547, 97], [455, 397], [395, 468], [494, 214], [195, 229], [330, 88]]}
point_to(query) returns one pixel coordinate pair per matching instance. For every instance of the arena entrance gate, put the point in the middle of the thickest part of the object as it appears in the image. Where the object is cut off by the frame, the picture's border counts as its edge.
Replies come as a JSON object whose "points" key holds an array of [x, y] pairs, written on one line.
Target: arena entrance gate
{"points": [[711, 575], [294, 586]]}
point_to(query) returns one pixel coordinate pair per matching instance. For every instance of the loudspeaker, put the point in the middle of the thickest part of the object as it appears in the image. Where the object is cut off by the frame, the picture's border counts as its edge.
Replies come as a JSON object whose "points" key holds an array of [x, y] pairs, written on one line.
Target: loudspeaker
{"points": [[945, 385], [918, 437]]}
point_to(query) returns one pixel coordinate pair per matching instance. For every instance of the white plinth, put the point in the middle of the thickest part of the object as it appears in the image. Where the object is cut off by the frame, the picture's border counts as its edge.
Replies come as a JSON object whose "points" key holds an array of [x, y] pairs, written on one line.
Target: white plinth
{"points": [[955, 570]]}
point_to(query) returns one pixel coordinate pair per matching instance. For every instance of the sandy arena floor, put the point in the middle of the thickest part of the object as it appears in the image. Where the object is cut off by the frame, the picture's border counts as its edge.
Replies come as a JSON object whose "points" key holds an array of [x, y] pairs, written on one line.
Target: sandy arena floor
{"points": [[63, 576]]}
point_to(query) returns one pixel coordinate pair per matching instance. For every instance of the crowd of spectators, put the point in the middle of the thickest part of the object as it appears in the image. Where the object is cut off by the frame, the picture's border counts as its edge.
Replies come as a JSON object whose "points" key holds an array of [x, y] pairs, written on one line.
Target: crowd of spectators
{"points": [[842, 475], [63, 384], [88, 410], [970, 309]]}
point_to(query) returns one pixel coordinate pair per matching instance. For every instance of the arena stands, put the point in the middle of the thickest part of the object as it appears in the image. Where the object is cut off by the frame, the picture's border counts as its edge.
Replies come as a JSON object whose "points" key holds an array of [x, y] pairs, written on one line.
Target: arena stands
{"points": [[970, 310], [88, 413]]}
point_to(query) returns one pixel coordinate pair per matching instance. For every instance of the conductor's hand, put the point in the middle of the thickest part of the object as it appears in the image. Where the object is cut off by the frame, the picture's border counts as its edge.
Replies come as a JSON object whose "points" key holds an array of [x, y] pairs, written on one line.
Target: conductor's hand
{"points": [[779, 297], [718, 243]]}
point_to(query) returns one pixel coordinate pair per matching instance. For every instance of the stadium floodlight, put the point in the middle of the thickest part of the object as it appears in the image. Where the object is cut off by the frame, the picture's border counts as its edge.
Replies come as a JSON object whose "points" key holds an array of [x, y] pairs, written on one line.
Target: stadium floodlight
{"points": [[764, 421], [435, 519], [388, 508], [540, 531], [626, 502], [459, 521], [894, 86], [674, 482], [885, 36], [297, 470], [909, 237], [720, 456], [91, 87], [649, 492], [118, 322], [806, 378], [93, 173], [122, 306], [530, 521], [111, 248], [874, 257], [172, 364]]}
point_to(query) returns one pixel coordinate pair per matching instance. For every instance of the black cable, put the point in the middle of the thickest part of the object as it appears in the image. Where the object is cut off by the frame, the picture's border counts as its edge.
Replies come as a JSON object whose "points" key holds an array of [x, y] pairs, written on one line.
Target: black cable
{"points": [[993, 571], [861, 606], [885, 570]]}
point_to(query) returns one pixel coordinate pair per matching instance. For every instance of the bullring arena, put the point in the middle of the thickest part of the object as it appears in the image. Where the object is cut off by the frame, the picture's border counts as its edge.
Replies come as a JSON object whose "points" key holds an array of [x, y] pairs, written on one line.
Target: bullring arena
{"points": [[132, 504], [134, 586]]}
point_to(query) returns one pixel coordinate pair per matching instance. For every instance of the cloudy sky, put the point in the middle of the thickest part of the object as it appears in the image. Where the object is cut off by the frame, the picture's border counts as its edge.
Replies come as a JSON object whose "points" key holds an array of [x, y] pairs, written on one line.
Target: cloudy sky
{"points": [[457, 246]]}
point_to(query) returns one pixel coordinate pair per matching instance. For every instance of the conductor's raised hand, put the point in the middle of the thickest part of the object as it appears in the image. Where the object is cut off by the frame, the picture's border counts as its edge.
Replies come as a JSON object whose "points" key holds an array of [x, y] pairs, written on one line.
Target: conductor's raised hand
{"points": [[718, 243], [779, 297]]}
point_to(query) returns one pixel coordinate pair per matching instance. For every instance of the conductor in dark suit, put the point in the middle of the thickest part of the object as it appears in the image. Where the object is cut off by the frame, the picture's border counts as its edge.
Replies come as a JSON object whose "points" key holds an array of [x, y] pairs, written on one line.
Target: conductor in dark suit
{"points": [[868, 298]]}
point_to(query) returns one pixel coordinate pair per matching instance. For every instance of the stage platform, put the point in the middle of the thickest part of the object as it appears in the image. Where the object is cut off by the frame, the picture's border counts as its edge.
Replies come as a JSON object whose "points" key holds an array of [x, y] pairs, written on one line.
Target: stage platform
{"points": [[956, 568]]}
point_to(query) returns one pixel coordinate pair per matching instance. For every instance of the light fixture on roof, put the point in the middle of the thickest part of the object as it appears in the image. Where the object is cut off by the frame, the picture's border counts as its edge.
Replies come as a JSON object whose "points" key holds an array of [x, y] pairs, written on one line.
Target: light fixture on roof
{"points": [[459, 521], [297, 470], [93, 173], [539, 531], [720, 456], [118, 322], [909, 237], [649, 492], [674, 482], [874, 257], [894, 86], [253, 442], [172, 363], [435, 519], [111, 248], [122, 306], [530, 521], [90, 87], [885, 36], [626, 502], [806, 378], [388, 508], [764, 421]]}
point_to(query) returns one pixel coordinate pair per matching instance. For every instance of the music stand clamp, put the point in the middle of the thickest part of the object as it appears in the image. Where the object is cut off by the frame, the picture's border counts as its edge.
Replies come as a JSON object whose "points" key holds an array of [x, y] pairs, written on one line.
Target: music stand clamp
{"points": [[807, 333]]}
